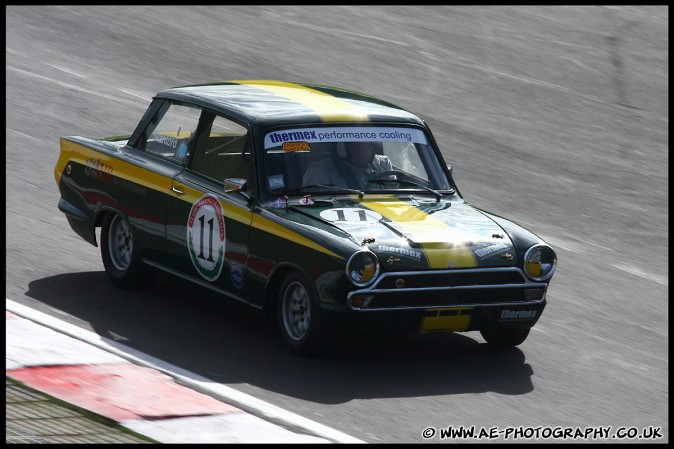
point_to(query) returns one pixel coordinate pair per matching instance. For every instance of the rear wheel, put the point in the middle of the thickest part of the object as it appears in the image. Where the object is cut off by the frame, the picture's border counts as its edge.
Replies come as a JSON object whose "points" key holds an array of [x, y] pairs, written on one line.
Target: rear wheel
{"points": [[505, 337], [299, 316], [119, 252]]}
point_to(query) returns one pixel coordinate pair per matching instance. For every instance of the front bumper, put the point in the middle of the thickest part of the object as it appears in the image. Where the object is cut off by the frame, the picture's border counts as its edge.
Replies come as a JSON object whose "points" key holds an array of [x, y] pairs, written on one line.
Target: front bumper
{"points": [[453, 300]]}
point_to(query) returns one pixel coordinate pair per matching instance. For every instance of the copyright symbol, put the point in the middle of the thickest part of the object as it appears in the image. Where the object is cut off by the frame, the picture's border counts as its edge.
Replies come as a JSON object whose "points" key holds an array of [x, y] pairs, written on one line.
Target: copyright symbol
{"points": [[428, 432]]}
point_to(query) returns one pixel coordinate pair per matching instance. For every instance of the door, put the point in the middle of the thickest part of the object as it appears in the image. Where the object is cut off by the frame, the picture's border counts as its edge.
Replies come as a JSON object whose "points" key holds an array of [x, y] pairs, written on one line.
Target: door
{"points": [[207, 227]]}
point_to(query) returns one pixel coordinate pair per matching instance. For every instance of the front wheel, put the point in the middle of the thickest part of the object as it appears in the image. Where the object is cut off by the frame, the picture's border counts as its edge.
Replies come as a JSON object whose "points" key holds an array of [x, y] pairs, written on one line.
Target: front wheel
{"points": [[119, 252], [299, 316], [505, 337]]}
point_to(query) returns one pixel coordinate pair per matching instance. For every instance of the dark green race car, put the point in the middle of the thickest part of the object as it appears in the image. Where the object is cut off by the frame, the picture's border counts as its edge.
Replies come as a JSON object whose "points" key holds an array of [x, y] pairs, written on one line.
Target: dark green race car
{"points": [[332, 209]]}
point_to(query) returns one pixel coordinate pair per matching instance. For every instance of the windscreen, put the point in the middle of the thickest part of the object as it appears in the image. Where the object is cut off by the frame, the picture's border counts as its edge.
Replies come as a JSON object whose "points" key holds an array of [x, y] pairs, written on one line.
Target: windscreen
{"points": [[359, 158]]}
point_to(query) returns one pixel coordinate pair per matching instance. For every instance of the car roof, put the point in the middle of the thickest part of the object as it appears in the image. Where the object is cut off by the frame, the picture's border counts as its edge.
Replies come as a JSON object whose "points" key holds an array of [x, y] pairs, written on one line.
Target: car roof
{"points": [[266, 103]]}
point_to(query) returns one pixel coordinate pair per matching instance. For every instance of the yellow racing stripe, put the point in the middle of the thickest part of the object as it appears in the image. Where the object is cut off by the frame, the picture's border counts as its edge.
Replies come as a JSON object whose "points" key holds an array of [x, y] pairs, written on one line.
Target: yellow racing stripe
{"points": [[444, 246], [229, 210], [276, 229], [244, 216], [329, 108], [79, 153]]}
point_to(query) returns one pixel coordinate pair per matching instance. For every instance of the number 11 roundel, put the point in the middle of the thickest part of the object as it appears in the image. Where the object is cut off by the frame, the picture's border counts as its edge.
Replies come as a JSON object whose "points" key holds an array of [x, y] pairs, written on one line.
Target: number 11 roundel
{"points": [[206, 237]]}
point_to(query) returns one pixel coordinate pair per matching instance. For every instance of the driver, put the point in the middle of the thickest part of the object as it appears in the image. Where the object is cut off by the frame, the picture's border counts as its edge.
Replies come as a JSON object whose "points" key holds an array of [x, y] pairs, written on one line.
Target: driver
{"points": [[351, 168]]}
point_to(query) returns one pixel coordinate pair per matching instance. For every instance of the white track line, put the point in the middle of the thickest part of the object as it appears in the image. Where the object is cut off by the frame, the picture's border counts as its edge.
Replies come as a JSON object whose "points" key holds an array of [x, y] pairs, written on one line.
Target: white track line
{"points": [[224, 393]]}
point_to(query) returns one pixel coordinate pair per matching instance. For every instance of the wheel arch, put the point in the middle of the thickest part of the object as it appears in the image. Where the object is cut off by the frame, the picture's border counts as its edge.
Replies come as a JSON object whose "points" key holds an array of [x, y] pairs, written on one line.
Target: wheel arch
{"points": [[99, 218], [271, 291]]}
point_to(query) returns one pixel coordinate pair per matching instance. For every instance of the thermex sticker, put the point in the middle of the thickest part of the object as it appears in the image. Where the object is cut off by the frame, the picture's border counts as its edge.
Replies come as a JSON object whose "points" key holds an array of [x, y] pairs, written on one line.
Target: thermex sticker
{"points": [[206, 237]]}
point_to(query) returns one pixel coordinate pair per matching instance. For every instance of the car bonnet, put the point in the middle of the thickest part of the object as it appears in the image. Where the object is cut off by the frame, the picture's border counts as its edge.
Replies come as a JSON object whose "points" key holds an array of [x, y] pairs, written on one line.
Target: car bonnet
{"points": [[412, 234]]}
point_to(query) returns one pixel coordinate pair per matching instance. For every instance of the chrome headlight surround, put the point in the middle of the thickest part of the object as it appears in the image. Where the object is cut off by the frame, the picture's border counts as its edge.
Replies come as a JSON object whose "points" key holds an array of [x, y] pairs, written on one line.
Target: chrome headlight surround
{"points": [[540, 262], [362, 268]]}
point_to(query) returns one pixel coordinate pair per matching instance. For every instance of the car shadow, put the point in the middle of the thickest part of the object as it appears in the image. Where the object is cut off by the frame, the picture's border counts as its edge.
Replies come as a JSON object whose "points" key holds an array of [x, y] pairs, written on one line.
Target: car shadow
{"points": [[193, 329]]}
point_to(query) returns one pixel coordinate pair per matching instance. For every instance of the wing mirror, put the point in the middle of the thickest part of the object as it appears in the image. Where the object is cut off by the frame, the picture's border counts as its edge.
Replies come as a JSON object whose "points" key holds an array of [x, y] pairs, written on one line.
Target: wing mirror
{"points": [[238, 185]]}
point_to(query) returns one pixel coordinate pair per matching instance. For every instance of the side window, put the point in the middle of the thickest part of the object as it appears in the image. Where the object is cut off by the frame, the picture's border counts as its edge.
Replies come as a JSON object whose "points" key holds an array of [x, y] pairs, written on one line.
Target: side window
{"points": [[169, 135], [221, 151]]}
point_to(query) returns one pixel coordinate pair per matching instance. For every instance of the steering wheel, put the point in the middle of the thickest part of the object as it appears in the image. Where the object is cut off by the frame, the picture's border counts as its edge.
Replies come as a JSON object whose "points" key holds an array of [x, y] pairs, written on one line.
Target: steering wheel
{"points": [[380, 176]]}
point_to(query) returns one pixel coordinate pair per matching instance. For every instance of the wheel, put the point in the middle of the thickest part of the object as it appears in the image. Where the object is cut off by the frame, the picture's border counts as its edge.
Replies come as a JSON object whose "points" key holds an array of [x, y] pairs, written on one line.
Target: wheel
{"points": [[299, 316], [505, 337], [120, 252]]}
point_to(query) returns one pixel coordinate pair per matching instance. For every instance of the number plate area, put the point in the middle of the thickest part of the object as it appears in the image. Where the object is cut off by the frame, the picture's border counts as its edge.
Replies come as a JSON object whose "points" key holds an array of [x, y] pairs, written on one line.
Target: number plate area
{"points": [[446, 320]]}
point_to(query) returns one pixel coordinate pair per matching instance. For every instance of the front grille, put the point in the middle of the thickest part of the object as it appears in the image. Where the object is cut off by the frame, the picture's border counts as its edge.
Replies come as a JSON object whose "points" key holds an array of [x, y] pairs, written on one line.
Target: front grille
{"points": [[475, 286], [454, 278]]}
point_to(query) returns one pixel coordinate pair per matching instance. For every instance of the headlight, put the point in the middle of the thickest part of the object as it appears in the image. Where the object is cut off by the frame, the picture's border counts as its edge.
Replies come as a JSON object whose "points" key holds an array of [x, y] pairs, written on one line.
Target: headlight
{"points": [[362, 268], [540, 262]]}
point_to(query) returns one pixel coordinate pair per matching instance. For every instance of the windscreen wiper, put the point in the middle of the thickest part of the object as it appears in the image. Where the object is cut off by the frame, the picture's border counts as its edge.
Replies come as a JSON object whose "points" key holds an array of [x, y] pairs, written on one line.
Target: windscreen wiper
{"points": [[303, 189]]}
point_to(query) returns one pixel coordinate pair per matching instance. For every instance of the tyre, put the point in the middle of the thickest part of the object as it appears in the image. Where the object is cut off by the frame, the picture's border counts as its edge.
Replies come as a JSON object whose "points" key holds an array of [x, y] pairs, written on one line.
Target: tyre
{"points": [[119, 252], [505, 337], [299, 317]]}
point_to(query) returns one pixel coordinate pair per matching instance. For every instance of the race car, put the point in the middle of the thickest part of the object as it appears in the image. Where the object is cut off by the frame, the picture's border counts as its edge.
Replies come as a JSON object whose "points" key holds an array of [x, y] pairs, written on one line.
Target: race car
{"points": [[330, 209]]}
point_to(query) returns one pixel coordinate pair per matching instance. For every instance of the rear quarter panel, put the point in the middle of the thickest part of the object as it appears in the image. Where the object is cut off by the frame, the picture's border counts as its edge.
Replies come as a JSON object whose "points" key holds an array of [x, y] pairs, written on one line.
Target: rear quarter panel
{"points": [[95, 176]]}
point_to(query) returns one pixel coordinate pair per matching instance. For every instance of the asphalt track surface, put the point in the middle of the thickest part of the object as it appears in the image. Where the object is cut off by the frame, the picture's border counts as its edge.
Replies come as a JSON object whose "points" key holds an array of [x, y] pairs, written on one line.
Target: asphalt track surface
{"points": [[556, 117]]}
